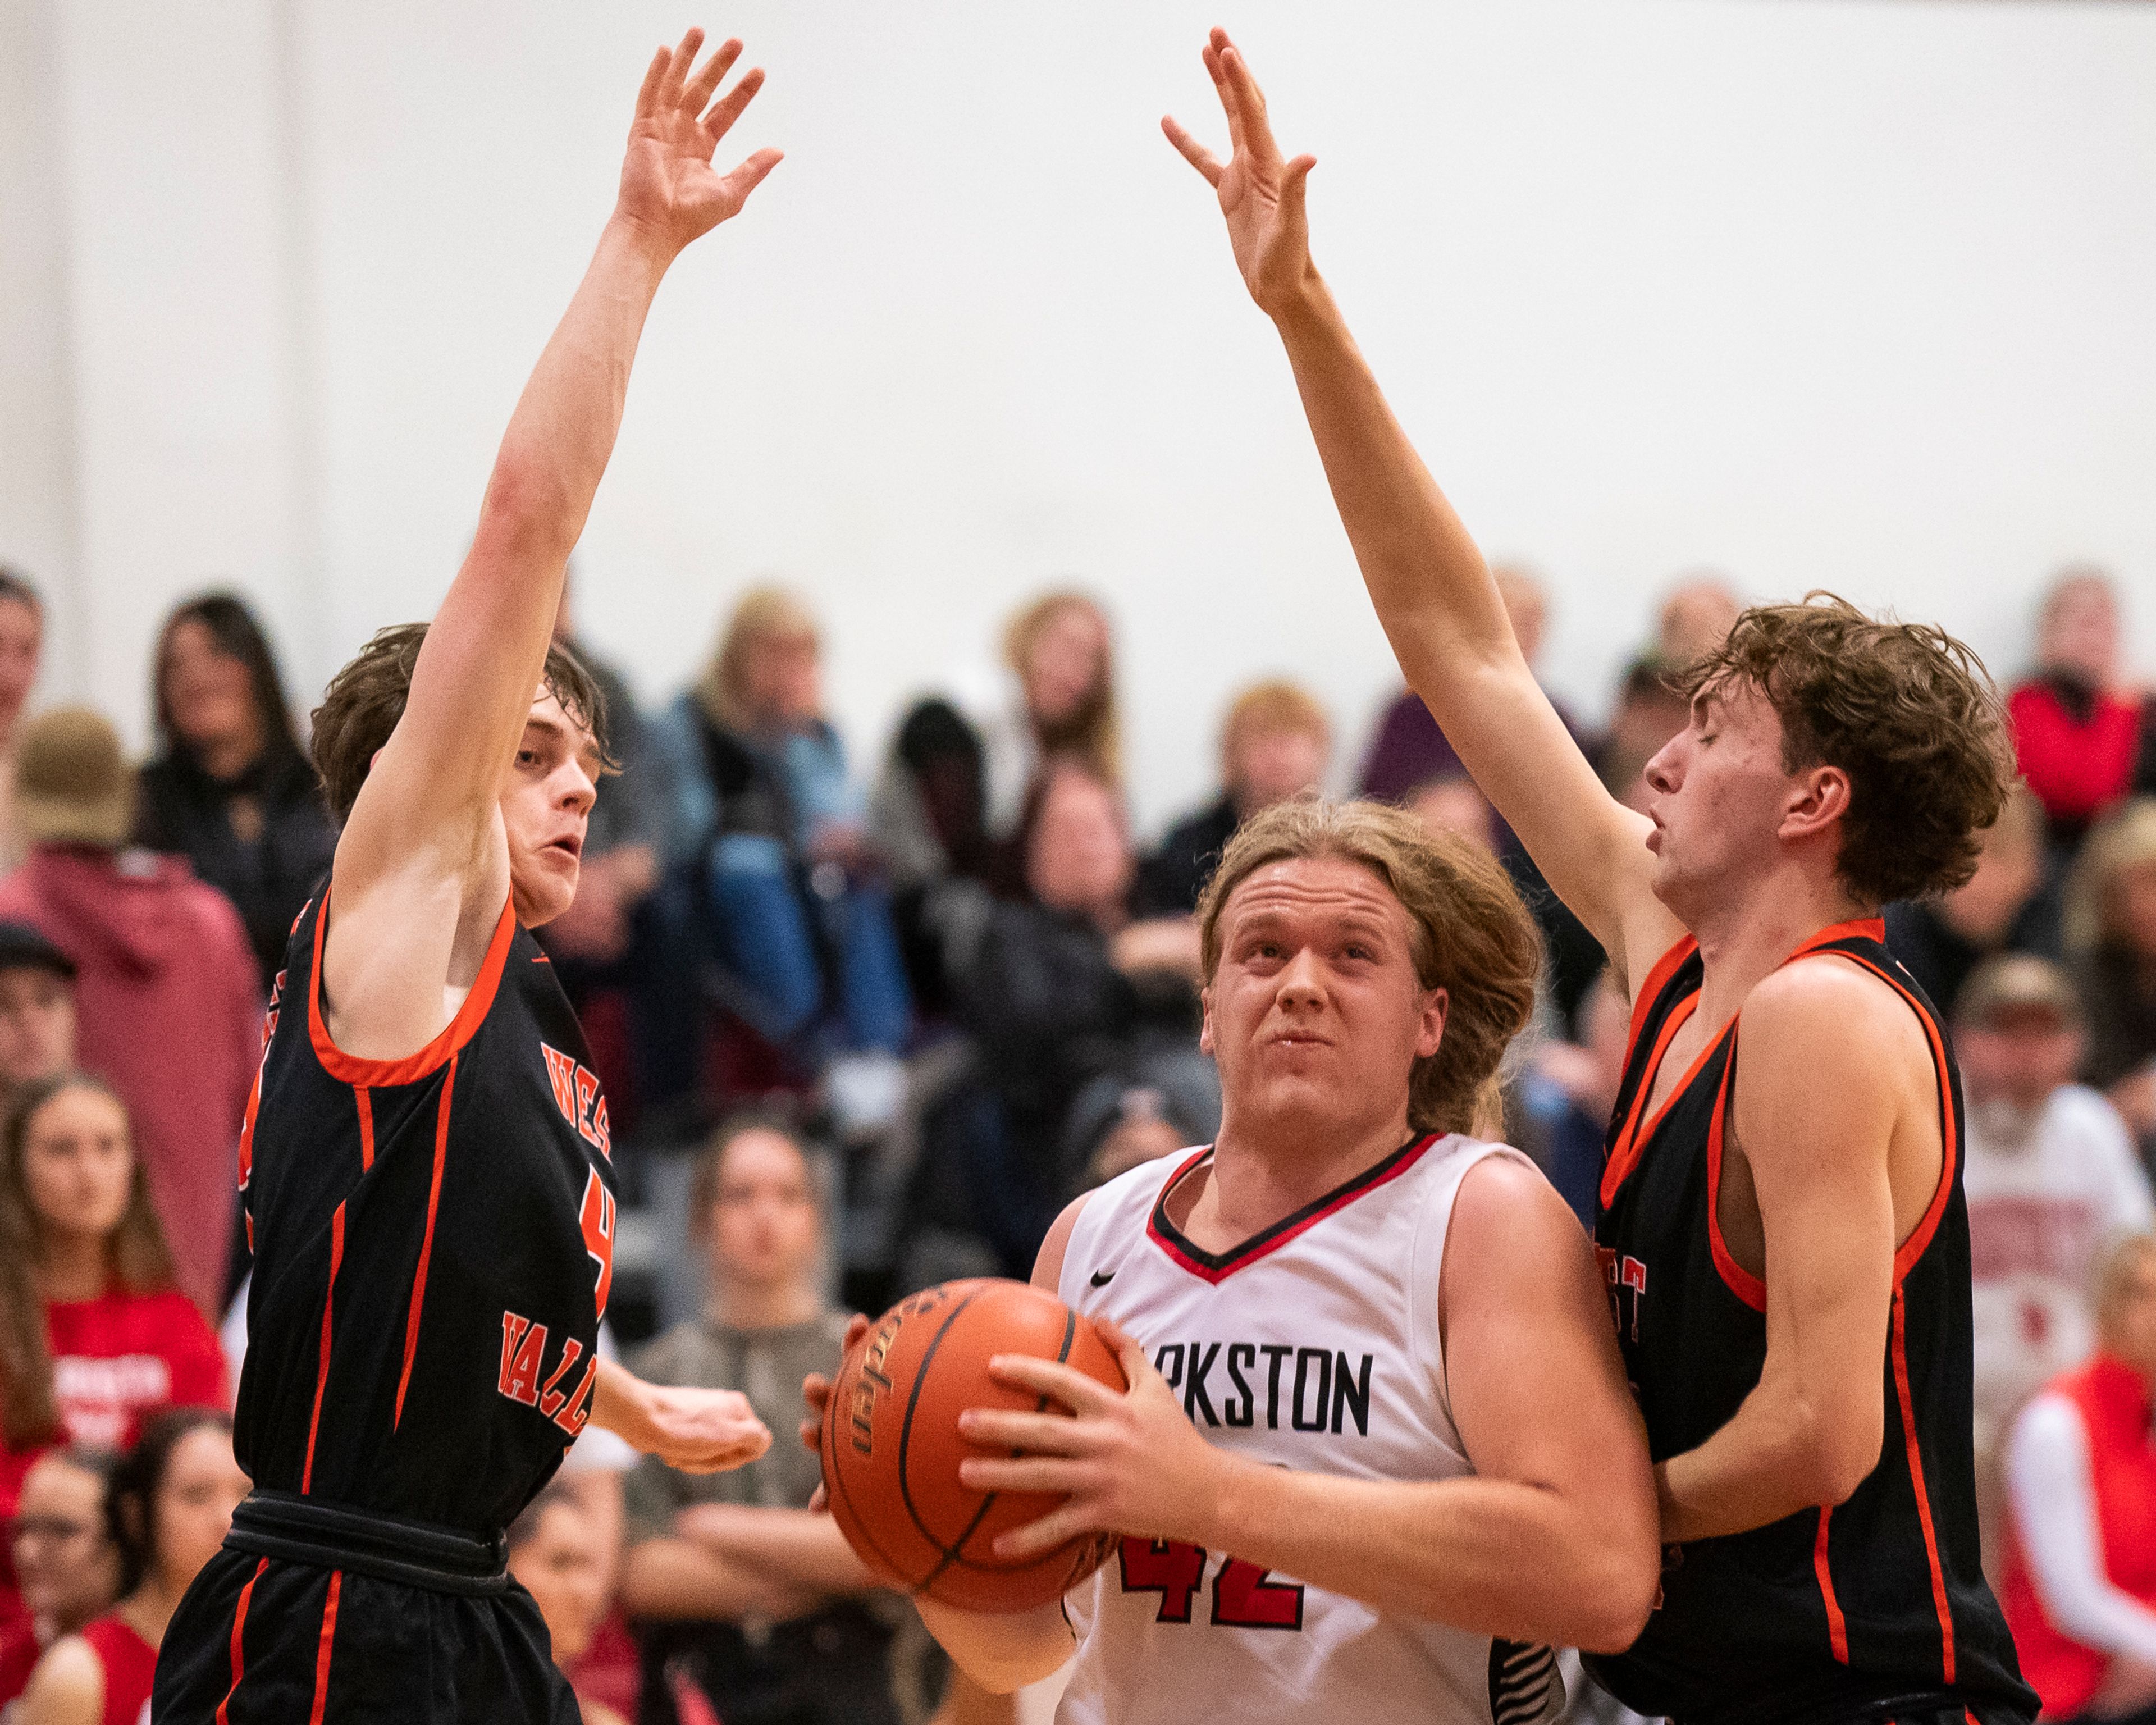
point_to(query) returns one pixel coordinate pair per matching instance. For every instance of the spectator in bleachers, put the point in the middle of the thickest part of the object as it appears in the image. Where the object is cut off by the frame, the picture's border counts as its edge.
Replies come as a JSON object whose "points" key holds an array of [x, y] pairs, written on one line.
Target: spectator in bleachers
{"points": [[557, 1554], [1695, 617], [1568, 1092], [2076, 729], [1274, 745], [36, 1011], [738, 1586], [1053, 693], [1456, 804], [231, 789], [2080, 1588], [1407, 750], [2052, 1179], [65, 1561], [167, 1011], [1071, 1005], [765, 810], [609, 948], [94, 1334], [1649, 712], [2010, 905], [169, 1509], [2110, 933], [21, 646]]}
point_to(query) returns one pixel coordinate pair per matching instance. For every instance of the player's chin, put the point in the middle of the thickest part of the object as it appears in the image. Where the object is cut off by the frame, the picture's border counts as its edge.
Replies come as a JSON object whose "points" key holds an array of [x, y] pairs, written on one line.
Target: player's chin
{"points": [[546, 885]]}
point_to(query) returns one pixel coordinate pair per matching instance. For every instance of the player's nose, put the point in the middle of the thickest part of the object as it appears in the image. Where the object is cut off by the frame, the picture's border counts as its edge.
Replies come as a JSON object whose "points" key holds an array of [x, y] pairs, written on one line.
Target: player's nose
{"points": [[1300, 978], [1664, 770]]}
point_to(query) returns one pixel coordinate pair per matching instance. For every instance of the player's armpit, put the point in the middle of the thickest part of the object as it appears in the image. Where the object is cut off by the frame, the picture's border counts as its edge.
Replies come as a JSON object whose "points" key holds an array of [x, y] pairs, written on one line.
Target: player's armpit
{"points": [[1823, 1073], [1002, 1654]]}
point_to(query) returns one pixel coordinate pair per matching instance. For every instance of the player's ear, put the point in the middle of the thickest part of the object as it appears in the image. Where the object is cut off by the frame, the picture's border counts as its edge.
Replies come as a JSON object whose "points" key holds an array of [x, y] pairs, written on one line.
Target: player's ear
{"points": [[1819, 797], [1205, 1020], [1430, 1030]]}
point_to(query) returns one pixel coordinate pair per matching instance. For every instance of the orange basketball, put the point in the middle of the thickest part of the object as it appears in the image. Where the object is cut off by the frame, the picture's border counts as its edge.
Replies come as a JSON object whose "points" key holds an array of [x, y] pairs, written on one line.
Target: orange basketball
{"points": [[891, 1448]]}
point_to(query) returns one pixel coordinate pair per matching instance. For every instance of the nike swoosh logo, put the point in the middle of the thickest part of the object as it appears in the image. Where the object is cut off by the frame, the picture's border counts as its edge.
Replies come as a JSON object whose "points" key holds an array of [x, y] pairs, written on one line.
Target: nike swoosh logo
{"points": [[1101, 1278]]}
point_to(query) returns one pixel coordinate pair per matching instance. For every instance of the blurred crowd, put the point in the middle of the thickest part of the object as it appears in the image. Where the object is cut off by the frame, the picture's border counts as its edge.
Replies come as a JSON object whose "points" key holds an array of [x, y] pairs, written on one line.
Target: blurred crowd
{"points": [[863, 1027]]}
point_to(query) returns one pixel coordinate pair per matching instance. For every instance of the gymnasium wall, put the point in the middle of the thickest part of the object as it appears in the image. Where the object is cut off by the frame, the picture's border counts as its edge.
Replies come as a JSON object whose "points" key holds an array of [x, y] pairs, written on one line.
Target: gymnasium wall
{"points": [[1845, 292]]}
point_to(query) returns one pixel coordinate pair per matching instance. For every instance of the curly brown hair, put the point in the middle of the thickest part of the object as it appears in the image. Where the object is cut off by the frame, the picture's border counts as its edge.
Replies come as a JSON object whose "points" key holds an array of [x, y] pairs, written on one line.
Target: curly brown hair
{"points": [[1472, 936], [365, 699], [1907, 712]]}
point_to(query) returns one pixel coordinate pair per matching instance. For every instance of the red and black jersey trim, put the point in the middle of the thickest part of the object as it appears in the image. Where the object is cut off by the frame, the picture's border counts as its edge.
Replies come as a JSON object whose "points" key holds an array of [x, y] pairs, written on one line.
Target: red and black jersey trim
{"points": [[1217, 1266]]}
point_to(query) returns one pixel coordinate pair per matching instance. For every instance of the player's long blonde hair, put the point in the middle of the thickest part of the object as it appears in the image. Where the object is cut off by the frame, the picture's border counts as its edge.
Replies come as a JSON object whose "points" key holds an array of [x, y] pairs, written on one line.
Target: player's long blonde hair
{"points": [[1473, 937]]}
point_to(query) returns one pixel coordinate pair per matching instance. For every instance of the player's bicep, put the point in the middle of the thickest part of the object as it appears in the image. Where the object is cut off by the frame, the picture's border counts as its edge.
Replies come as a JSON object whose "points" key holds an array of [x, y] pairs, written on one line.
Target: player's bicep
{"points": [[1817, 1149], [1527, 1333]]}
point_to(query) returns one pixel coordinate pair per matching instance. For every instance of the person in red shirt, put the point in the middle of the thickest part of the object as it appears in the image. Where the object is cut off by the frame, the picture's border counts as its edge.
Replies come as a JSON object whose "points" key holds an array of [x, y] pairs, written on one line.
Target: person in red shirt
{"points": [[2076, 732], [64, 1557], [168, 997], [92, 1333], [2080, 1586], [170, 1508]]}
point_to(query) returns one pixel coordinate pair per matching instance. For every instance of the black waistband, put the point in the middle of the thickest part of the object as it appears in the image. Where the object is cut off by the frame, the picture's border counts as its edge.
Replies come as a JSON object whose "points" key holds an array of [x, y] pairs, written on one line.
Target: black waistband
{"points": [[304, 1530]]}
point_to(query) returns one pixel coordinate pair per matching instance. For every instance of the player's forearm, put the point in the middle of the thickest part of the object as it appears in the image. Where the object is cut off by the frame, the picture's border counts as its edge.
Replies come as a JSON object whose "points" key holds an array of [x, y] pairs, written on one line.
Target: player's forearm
{"points": [[1001, 1654], [1524, 1562], [1426, 577], [1782, 1452], [563, 432], [676, 1580], [798, 1546]]}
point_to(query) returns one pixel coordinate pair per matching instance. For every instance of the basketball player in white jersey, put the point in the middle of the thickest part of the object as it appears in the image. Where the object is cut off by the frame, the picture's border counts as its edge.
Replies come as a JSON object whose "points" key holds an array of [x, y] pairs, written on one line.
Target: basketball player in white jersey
{"points": [[1378, 1454]]}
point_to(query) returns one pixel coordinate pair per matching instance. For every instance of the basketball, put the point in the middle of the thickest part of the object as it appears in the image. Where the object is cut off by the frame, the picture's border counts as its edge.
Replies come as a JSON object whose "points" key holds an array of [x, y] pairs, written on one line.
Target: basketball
{"points": [[891, 1448]]}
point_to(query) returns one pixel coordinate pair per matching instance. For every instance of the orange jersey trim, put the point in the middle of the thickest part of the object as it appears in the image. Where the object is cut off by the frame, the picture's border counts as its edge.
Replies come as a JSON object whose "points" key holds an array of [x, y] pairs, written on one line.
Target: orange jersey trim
{"points": [[1837, 1629], [238, 1653], [1901, 1351], [426, 1240], [353, 1070], [322, 1364], [322, 1648]]}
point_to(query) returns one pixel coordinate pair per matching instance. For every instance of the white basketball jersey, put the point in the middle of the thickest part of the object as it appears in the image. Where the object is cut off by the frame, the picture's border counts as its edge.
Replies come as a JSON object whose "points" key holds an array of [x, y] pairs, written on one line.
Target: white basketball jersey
{"points": [[1313, 1346]]}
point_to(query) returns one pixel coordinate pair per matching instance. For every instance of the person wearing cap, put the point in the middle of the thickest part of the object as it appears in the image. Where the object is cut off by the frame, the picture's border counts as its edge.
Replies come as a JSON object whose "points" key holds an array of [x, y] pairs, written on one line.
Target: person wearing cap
{"points": [[2053, 1181], [36, 1011], [165, 982]]}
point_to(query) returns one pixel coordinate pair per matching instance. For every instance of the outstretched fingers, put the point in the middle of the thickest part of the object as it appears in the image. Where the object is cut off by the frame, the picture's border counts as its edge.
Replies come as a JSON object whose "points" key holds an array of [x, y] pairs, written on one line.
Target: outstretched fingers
{"points": [[677, 67], [747, 177], [697, 92], [1245, 102], [728, 108], [1194, 152], [655, 78]]}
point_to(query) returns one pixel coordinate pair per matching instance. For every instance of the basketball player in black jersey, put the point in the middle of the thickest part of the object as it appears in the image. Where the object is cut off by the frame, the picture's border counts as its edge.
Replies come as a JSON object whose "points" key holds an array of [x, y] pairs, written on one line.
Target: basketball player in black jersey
{"points": [[426, 1159], [1786, 1246]]}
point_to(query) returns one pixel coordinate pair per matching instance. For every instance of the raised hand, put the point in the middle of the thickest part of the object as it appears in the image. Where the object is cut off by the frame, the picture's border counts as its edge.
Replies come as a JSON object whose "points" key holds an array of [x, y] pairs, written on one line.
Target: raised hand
{"points": [[1260, 195], [669, 186]]}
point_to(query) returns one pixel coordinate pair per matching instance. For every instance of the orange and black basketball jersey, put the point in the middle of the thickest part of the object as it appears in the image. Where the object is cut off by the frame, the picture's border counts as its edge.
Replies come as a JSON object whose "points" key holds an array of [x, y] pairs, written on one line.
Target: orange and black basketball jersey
{"points": [[1878, 1605], [434, 1245]]}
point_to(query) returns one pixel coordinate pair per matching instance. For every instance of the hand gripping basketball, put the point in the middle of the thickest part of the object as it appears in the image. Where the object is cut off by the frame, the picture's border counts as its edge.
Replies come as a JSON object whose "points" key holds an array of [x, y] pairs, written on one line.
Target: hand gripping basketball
{"points": [[893, 1448]]}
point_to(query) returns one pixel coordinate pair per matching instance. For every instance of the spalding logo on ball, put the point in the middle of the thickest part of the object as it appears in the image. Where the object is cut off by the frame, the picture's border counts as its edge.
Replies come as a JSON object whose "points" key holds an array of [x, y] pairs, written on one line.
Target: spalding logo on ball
{"points": [[891, 1448]]}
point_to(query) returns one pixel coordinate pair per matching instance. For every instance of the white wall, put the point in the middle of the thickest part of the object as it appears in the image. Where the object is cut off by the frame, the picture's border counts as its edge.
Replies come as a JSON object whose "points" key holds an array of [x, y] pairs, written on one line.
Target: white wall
{"points": [[1854, 295]]}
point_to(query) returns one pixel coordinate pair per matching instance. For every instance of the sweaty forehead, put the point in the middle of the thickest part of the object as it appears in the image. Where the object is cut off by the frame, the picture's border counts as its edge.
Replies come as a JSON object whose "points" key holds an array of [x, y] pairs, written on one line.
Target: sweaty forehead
{"points": [[1329, 886]]}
